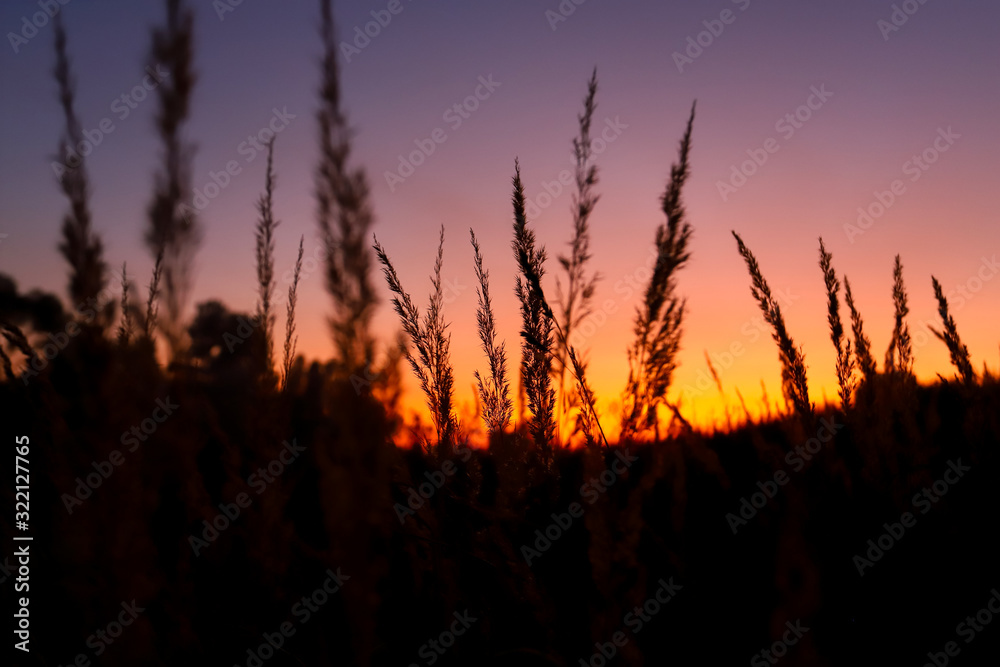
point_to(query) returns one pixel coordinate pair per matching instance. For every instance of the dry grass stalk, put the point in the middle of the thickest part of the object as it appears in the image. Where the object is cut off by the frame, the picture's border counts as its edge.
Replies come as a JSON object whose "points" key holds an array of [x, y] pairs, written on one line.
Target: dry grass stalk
{"points": [[290, 338], [899, 355], [431, 364], [80, 245], [845, 360], [264, 237], [538, 326], [126, 327], [575, 304], [862, 346], [173, 234], [658, 322], [495, 392], [344, 215], [153, 299], [958, 351], [793, 368]]}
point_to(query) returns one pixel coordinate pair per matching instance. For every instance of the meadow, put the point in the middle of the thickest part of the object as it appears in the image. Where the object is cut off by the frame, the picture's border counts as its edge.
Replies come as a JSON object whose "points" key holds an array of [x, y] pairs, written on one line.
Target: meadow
{"points": [[203, 493]]}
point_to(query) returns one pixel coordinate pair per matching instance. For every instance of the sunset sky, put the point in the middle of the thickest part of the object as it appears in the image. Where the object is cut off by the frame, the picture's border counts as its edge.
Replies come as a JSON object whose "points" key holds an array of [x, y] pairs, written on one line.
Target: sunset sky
{"points": [[915, 101]]}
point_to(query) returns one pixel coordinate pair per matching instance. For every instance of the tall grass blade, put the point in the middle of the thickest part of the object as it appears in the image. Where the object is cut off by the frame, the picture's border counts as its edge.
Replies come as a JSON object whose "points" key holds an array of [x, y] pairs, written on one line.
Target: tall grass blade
{"points": [[173, 233], [845, 361], [264, 238], [575, 304], [658, 323], [126, 326], [494, 392], [344, 216], [290, 338], [899, 355], [431, 363], [80, 245], [862, 346], [538, 323], [958, 351], [793, 368]]}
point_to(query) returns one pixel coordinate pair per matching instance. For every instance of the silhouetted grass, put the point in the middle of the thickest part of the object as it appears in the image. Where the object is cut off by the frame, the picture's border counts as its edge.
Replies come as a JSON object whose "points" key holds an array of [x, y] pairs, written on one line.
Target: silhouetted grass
{"points": [[344, 216], [80, 245], [536, 325], [899, 355], [551, 560], [494, 392], [845, 361], [949, 336], [291, 340], [126, 327], [793, 368], [652, 356], [431, 363], [174, 233], [264, 239], [575, 305], [862, 346]]}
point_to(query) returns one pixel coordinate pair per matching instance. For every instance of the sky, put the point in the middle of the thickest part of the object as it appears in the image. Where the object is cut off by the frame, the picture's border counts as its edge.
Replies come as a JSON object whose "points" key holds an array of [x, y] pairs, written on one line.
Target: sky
{"points": [[870, 124]]}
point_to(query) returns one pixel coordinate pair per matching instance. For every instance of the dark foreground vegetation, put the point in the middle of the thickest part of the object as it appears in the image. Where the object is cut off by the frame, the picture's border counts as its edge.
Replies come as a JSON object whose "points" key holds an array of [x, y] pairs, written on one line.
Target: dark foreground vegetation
{"points": [[342, 505], [200, 494]]}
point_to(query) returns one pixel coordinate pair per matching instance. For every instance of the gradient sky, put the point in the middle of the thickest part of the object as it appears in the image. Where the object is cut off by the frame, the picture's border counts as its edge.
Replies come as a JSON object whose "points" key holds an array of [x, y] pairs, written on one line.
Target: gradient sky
{"points": [[893, 93]]}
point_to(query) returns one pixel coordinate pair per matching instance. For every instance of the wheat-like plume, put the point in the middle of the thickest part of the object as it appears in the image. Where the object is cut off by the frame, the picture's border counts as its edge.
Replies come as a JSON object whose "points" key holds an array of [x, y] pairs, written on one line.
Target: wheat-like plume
{"points": [[431, 363], [845, 362], [494, 392], [793, 368], [958, 351], [658, 323]]}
